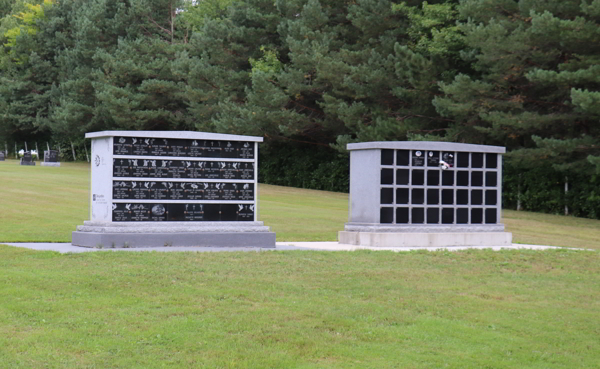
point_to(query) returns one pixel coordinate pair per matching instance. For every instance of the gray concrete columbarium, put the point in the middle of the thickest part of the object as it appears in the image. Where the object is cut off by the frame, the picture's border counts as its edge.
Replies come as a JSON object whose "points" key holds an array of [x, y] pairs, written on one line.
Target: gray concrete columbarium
{"points": [[27, 159], [410, 194], [51, 158], [158, 188]]}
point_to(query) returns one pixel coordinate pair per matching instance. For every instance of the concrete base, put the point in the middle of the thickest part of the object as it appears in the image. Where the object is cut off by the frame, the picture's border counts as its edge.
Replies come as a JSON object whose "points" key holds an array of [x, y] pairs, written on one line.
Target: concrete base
{"points": [[207, 239], [173, 234], [47, 164], [27, 162], [413, 239]]}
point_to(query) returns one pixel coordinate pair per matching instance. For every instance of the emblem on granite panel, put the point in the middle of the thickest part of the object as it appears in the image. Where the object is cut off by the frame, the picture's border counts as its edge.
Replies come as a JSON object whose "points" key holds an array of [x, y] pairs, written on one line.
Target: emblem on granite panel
{"points": [[97, 160], [158, 210]]}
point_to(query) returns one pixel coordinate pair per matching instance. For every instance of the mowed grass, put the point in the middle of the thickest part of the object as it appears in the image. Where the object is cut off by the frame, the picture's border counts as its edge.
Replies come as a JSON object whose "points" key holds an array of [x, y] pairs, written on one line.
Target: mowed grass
{"points": [[302, 215], [294, 309], [42, 204], [554, 230], [45, 204], [300, 309]]}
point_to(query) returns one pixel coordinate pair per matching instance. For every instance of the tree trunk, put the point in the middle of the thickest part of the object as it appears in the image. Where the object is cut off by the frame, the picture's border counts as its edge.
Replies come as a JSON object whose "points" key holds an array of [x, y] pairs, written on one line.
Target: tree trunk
{"points": [[73, 150], [519, 208], [566, 190]]}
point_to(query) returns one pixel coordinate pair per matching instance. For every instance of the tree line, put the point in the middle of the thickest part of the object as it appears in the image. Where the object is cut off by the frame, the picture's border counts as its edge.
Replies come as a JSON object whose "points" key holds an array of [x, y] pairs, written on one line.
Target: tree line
{"points": [[313, 75]]}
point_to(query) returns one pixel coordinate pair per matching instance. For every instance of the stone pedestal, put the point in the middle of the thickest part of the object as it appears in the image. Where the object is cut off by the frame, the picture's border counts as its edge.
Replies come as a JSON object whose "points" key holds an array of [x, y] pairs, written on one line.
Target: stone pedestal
{"points": [[149, 234], [382, 236]]}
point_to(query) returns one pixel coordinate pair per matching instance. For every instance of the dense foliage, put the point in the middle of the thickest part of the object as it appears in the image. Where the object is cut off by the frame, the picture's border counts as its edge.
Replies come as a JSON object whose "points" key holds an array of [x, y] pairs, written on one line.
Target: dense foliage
{"points": [[313, 75]]}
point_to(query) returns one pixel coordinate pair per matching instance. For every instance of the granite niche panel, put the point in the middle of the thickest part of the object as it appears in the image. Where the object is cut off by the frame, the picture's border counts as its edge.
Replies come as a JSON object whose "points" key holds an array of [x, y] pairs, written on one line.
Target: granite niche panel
{"points": [[167, 179]]}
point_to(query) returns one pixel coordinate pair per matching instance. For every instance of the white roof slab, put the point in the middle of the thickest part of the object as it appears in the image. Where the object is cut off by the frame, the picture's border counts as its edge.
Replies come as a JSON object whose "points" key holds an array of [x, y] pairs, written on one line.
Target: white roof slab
{"points": [[191, 135], [425, 145]]}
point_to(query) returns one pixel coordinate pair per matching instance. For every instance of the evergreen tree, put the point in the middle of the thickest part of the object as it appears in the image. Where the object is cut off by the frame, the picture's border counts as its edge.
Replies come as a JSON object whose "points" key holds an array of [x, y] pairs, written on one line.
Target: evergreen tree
{"points": [[26, 72], [339, 71], [135, 88], [217, 63], [536, 80], [113, 66]]}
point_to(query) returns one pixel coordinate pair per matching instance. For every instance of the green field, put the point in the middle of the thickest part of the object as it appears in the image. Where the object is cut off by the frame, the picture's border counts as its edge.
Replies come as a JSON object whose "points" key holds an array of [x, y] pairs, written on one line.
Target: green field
{"points": [[45, 204], [288, 309], [300, 309]]}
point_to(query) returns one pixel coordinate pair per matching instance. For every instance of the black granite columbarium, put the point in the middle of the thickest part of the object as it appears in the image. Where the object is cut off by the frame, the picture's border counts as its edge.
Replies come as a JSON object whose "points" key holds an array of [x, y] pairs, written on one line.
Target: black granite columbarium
{"points": [[200, 179]]}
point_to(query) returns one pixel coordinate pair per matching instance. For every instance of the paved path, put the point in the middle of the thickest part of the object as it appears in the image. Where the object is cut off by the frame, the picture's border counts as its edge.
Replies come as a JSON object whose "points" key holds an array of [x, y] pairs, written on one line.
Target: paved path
{"points": [[324, 246]]}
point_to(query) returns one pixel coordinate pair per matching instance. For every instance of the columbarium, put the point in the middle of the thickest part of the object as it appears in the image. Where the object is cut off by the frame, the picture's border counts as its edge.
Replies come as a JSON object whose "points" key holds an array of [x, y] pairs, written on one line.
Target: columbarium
{"points": [[424, 194], [162, 188]]}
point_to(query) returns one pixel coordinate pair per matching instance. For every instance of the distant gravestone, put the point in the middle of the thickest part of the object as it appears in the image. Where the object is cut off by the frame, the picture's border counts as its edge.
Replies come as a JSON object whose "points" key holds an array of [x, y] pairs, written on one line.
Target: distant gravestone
{"points": [[51, 158], [27, 159], [1, 155]]}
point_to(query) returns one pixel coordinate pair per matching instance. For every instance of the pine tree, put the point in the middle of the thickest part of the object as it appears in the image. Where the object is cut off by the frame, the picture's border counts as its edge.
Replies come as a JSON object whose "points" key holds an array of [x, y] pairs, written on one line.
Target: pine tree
{"points": [[136, 89], [115, 70], [347, 72], [26, 72], [536, 80]]}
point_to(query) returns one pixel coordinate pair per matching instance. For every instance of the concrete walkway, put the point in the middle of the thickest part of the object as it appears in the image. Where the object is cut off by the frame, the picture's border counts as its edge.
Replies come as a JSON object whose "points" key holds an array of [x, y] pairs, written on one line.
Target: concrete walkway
{"points": [[281, 246]]}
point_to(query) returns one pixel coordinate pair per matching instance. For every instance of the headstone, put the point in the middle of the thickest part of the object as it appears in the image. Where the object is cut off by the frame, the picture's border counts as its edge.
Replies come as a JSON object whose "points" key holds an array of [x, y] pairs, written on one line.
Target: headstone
{"points": [[51, 158], [425, 194], [1, 155], [27, 159], [153, 189]]}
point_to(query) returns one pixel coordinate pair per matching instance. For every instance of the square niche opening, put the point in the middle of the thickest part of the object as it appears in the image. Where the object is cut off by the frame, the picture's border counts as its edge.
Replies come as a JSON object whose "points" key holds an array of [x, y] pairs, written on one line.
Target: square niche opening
{"points": [[402, 196], [418, 215], [433, 197], [402, 157], [418, 177], [386, 215], [433, 177], [387, 195], [387, 157], [433, 215], [387, 176], [418, 196], [402, 215], [402, 176]]}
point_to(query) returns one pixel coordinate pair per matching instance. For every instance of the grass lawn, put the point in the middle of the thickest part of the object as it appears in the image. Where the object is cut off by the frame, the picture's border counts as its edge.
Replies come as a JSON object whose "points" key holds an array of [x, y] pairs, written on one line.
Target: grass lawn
{"points": [[302, 309], [45, 204], [296, 309]]}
